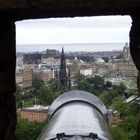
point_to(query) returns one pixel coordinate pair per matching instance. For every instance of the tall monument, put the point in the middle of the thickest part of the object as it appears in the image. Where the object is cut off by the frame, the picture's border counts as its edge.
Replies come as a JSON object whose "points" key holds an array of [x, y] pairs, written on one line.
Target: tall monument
{"points": [[63, 77]]}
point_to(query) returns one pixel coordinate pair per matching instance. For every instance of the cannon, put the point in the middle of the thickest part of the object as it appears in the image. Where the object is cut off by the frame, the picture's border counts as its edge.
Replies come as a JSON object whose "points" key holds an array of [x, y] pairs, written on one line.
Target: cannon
{"points": [[77, 115]]}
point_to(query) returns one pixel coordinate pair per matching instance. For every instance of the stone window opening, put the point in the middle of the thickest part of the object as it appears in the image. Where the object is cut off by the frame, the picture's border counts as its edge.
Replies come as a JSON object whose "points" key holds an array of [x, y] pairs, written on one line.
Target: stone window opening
{"points": [[14, 10]]}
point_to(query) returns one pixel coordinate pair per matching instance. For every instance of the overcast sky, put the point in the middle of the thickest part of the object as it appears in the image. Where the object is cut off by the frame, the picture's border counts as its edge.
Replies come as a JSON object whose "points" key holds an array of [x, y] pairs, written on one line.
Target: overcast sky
{"points": [[74, 30]]}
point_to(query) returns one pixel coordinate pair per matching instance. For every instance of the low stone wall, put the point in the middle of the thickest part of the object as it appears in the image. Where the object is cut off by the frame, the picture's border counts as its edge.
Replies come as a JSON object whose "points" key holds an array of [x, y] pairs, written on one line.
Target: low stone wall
{"points": [[33, 115]]}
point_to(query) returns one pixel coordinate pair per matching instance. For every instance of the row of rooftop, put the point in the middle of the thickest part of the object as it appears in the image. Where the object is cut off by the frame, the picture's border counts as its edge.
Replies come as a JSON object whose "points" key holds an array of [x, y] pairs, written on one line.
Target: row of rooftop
{"points": [[33, 65]]}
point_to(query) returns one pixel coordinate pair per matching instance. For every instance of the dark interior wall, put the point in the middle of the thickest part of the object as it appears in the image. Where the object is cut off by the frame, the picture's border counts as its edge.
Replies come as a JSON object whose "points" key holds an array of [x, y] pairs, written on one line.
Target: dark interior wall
{"points": [[135, 45], [7, 79], [14, 10], [24, 9]]}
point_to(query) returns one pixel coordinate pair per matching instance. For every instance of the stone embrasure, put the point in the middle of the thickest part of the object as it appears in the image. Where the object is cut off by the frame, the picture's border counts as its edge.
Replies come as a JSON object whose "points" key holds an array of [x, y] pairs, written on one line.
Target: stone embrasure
{"points": [[13, 10]]}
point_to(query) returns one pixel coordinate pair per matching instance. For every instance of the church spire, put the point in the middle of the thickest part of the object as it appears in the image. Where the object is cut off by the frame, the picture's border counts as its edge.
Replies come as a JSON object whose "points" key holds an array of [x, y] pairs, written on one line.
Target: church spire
{"points": [[63, 74]]}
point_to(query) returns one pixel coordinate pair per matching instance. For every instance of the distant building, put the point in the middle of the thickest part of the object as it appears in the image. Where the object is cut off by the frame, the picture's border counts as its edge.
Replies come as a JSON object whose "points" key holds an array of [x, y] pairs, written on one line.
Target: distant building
{"points": [[86, 72], [127, 70], [32, 58], [51, 53], [44, 74], [86, 58], [19, 58], [126, 54], [49, 66], [99, 61], [124, 66], [133, 99], [102, 69], [114, 117], [50, 60], [24, 77], [127, 67], [74, 69]]}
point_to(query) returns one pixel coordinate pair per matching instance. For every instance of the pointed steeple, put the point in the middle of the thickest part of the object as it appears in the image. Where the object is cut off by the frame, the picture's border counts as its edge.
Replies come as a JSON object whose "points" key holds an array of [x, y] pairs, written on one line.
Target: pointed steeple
{"points": [[63, 56], [63, 74], [69, 79]]}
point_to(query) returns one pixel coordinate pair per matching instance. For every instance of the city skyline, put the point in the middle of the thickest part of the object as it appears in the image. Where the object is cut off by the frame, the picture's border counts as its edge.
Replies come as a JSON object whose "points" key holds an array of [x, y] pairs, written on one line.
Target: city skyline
{"points": [[83, 47]]}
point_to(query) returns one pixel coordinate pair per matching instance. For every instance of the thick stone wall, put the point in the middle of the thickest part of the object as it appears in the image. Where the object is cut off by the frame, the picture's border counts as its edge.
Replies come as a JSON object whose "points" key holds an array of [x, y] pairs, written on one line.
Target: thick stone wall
{"points": [[7, 79], [135, 53], [34, 115], [24, 9], [13, 10], [101, 4], [135, 44]]}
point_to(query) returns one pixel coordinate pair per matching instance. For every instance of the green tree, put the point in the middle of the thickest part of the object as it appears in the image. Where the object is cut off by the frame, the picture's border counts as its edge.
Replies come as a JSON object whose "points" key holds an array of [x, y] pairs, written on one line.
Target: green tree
{"points": [[23, 96], [91, 84], [130, 114], [79, 77], [45, 95], [98, 82], [119, 134], [118, 104], [37, 83], [84, 85], [108, 84], [28, 130], [120, 88], [19, 94], [107, 97], [133, 91], [55, 85], [126, 129]]}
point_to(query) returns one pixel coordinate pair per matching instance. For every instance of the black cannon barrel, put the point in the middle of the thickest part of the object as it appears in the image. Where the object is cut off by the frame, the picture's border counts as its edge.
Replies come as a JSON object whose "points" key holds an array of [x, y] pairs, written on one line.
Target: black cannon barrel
{"points": [[77, 115]]}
